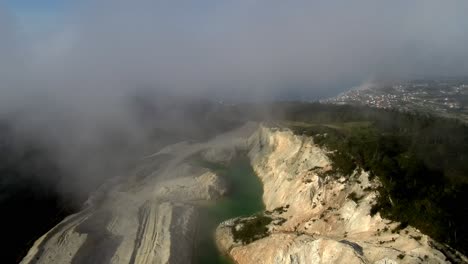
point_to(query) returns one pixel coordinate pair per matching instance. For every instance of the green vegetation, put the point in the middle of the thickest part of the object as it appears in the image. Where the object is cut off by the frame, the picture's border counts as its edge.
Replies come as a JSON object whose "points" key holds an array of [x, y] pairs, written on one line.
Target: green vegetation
{"points": [[400, 227], [422, 162], [250, 229], [278, 210], [354, 197]]}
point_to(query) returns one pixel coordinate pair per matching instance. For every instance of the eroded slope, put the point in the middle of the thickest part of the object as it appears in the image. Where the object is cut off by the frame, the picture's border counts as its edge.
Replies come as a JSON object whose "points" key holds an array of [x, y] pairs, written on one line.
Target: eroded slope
{"points": [[315, 215]]}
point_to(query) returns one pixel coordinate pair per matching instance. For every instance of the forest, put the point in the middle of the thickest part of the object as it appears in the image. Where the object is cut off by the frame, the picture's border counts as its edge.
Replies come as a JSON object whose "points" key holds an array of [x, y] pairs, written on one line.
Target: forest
{"points": [[421, 161]]}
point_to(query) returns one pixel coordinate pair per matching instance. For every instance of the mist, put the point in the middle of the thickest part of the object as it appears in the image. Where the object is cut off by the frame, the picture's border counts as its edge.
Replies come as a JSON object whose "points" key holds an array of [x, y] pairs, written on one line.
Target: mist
{"points": [[70, 85]]}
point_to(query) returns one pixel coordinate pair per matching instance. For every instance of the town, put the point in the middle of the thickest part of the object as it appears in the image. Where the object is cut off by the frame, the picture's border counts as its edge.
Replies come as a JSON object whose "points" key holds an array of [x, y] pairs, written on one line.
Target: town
{"points": [[447, 98]]}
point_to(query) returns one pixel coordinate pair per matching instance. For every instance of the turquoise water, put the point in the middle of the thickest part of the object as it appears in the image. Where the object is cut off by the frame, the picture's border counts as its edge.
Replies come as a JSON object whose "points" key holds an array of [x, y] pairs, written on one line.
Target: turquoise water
{"points": [[244, 199]]}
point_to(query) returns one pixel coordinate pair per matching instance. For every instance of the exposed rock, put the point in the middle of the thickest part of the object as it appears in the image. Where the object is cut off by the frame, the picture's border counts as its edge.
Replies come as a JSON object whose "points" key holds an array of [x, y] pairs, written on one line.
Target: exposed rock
{"points": [[326, 217], [288, 248], [312, 216], [125, 228], [147, 217], [207, 186], [219, 155]]}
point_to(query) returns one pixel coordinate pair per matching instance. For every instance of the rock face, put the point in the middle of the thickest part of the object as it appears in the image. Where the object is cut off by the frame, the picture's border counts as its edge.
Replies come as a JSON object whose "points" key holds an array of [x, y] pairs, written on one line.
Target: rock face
{"points": [[312, 215], [317, 217], [148, 217]]}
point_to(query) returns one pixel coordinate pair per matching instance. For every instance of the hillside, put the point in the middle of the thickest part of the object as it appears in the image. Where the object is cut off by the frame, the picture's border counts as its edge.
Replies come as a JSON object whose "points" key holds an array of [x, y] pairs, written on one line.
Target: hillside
{"points": [[316, 214], [420, 160], [352, 179]]}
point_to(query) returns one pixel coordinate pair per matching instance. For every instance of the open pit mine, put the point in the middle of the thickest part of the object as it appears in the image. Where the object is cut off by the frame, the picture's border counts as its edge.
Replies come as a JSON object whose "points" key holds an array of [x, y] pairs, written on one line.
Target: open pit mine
{"points": [[309, 214]]}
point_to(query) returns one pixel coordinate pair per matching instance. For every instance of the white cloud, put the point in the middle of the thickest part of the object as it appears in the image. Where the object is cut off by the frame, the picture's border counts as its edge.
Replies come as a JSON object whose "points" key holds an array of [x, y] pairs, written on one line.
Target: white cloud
{"points": [[73, 78]]}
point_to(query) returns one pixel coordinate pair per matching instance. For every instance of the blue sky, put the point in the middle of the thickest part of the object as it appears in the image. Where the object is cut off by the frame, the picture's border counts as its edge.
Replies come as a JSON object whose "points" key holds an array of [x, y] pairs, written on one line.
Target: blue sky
{"points": [[28, 6], [37, 17]]}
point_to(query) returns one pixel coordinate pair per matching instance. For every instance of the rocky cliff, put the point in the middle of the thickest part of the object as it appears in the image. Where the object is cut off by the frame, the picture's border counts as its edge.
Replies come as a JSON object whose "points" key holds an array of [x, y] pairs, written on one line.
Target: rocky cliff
{"points": [[317, 216], [147, 217], [313, 215]]}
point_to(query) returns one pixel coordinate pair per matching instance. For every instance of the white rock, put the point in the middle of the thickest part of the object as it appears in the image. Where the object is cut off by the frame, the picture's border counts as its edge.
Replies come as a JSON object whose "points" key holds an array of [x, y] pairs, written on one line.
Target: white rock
{"points": [[148, 217], [322, 224]]}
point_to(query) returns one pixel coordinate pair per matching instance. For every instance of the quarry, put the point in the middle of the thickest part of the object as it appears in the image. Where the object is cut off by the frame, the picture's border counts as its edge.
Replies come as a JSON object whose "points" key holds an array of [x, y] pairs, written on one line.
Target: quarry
{"points": [[310, 214]]}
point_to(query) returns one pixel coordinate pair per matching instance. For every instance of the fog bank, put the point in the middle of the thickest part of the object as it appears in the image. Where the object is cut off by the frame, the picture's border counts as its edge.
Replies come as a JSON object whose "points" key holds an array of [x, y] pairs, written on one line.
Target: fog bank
{"points": [[71, 85]]}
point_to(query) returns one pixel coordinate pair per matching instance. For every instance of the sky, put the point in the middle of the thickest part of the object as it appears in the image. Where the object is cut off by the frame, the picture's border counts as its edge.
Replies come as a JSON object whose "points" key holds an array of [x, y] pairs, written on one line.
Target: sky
{"points": [[268, 48], [68, 67], [88, 55], [37, 17]]}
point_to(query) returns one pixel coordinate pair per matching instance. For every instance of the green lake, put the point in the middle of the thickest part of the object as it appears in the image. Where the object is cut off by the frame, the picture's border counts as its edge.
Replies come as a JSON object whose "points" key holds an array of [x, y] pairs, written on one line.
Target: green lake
{"points": [[244, 198]]}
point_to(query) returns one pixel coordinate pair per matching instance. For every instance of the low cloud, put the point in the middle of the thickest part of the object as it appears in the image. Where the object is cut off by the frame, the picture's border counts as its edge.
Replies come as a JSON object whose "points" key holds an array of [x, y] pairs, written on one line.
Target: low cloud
{"points": [[260, 48], [76, 80]]}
